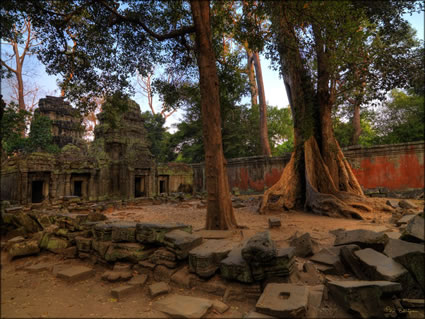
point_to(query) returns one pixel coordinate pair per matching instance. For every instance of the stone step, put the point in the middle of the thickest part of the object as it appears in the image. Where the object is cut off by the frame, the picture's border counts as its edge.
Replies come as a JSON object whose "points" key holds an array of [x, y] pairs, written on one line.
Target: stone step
{"points": [[75, 273], [178, 306]]}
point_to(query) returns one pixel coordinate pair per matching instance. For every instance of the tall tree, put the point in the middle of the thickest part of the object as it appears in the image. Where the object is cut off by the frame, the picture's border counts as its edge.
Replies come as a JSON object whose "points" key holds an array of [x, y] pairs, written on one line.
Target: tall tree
{"points": [[114, 42], [315, 42], [219, 210]]}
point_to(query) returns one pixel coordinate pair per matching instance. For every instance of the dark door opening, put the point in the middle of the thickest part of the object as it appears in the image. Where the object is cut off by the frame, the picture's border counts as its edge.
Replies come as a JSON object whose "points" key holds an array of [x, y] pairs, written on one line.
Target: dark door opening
{"points": [[137, 187], [162, 188], [78, 186], [37, 191]]}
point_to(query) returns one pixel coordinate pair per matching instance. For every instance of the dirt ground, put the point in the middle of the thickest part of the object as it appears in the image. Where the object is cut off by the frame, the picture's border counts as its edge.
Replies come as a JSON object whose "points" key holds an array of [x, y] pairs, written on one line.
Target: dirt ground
{"points": [[35, 295]]}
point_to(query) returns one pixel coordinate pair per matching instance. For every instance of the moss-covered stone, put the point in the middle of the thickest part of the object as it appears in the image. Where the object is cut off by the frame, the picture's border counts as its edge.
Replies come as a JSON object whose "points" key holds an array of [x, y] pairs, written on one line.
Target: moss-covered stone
{"points": [[25, 248], [132, 252]]}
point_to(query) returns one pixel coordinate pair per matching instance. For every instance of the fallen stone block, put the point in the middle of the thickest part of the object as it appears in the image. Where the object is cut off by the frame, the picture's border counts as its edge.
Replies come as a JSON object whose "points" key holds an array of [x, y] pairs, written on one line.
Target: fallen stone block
{"points": [[352, 262], [405, 219], [181, 242], [183, 306], [120, 292], [138, 280], [234, 267], [183, 278], [407, 204], [83, 244], [414, 231], [101, 247], [163, 256], [132, 252], [329, 257], [102, 232], [283, 301], [53, 243], [24, 248], [363, 297], [205, 259], [410, 255], [392, 203], [274, 222], [39, 267], [259, 248], [155, 233], [114, 276], [159, 288], [363, 238], [281, 266], [123, 232], [303, 245], [162, 273], [380, 267], [315, 297], [75, 273], [219, 306]]}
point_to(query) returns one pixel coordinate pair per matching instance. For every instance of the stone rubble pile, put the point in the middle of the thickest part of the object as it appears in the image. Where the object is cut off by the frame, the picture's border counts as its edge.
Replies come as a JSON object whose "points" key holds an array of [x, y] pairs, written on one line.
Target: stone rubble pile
{"points": [[367, 273]]}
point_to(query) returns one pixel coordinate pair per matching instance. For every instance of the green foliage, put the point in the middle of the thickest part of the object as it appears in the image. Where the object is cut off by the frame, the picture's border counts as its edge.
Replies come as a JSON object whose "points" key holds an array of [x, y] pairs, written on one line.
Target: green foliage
{"points": [[114, 107], [159, 138], [12, 127], [14, 123], [40, 137], [344, 131], [401, 119]]}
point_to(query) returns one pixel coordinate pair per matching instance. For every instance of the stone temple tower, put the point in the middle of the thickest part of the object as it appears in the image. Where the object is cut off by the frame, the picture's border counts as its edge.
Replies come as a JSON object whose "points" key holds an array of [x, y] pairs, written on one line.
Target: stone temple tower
{"points": [[129, 166], [66, 121]]}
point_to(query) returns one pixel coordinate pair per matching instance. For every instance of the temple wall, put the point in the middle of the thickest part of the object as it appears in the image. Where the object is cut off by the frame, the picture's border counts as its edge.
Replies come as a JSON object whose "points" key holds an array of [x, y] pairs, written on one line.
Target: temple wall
{"points": [[382, 170]]}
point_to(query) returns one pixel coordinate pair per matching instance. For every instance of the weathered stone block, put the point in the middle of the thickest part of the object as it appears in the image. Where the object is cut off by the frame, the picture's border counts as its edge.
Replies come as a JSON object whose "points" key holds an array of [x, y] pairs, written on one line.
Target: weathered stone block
{"points": [[120, 292], [162, 256], [274, 222], [101, 247], [234, 267], [259, 248], [415, 231], [410, 255], [178, 306], [132, 252], [159, 288], [205, 259], [363, 297], [75, 273], [181, 242], [283, 301], [123, 232], [303, 245], [83, 244], [102, 232], [25, 248], [363, 238], [155, 233]]}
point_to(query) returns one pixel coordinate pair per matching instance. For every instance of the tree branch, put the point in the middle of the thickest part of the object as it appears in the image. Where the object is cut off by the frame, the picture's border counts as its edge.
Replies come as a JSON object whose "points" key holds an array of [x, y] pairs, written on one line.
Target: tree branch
{"points": [[161, 37]]}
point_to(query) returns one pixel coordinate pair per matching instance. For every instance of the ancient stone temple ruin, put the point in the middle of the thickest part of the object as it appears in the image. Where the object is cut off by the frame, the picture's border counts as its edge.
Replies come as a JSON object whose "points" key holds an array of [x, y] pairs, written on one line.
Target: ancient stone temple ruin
{"points": [[117, 165]]}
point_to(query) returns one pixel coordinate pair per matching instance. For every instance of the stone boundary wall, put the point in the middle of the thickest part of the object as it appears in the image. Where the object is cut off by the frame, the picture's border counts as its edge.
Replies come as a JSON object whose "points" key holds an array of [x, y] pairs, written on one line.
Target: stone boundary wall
{"points": [[395, 170]]}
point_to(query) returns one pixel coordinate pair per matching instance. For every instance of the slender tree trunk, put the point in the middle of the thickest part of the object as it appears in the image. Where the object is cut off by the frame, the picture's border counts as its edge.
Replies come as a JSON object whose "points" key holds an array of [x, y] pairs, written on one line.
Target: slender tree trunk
{"points": [[251, 78], [18, 73], [356, 124], [317, 177], [264, 137], [219, 206]]}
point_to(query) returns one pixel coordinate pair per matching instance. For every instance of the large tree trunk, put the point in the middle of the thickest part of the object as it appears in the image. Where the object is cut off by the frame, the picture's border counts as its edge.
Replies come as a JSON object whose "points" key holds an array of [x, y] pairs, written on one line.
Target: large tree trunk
{"points": [[264, 137], [318, 177], [219, 206]]}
